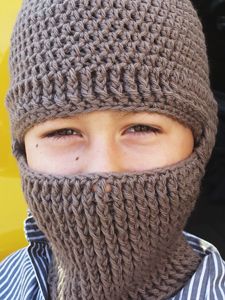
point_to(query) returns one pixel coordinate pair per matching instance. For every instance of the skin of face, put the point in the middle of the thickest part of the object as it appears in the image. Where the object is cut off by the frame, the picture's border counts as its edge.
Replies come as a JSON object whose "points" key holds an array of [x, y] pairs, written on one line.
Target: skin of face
{"points": [[107, 141]]}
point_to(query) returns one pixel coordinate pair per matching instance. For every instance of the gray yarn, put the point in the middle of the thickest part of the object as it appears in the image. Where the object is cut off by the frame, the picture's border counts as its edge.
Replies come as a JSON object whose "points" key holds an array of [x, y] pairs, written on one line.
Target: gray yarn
{"points": [[123, 244], [69, 56]]}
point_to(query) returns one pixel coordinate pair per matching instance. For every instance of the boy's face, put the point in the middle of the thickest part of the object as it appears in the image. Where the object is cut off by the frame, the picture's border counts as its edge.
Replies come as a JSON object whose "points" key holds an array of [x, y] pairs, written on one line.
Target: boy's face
{"points": [[107, 141]]}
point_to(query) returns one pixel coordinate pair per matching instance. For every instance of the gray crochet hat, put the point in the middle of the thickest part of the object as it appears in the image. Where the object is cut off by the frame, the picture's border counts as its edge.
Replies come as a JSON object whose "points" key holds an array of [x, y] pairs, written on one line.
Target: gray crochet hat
{"points": [[71, 56]]}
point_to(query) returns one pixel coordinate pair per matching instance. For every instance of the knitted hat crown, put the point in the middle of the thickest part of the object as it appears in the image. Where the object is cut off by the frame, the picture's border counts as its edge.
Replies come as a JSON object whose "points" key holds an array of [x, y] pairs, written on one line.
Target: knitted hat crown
{"points": [[70, 56]]}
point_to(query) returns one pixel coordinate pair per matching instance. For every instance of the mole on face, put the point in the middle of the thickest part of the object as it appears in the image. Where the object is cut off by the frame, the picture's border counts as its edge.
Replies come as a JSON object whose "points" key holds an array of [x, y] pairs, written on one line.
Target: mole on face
{"points": [[77, 158], [36, 145]]}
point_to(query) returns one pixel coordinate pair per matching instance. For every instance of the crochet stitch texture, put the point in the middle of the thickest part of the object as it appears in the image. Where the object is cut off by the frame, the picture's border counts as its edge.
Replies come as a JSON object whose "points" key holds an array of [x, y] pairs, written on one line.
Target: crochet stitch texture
{"points": [[69, 56], [123, 244]]}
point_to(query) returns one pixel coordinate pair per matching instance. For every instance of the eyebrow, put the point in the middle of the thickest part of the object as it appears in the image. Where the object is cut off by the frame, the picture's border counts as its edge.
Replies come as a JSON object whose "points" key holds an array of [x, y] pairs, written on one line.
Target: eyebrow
{"points": [[127, 113], [119, 112]]}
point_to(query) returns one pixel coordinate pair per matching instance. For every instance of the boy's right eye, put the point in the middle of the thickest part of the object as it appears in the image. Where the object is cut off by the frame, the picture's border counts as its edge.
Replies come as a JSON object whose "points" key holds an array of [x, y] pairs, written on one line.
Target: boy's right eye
{"points": [[63, 133]]}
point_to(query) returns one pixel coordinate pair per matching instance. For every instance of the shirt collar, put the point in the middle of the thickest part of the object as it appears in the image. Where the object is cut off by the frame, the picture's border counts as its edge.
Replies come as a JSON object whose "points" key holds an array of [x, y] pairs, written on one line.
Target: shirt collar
{"points": [[32, 232]]}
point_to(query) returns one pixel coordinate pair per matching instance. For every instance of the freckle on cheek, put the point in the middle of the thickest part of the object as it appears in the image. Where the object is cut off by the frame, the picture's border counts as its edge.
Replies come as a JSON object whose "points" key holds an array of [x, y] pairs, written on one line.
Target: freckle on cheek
{"points": [[36, 145]]}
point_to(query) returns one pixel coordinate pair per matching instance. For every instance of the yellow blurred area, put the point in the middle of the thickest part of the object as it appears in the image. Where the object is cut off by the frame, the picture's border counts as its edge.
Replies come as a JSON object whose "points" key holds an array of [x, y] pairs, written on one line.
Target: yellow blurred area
{"points": [[12, 203]]}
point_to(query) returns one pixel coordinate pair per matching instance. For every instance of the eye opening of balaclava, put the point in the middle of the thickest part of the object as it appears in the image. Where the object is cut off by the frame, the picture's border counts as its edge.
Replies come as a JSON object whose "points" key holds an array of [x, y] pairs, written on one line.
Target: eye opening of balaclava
{"points": [[70, 57]]}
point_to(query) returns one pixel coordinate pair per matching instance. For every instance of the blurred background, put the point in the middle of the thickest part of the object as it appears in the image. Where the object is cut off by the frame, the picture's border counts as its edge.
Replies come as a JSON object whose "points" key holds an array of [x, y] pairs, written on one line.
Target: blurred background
{"points": [[12, 204], [207, 221]]}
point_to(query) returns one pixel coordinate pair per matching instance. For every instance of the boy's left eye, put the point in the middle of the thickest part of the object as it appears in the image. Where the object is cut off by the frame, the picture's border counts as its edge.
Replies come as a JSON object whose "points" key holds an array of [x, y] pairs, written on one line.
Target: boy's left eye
{"points": [[142, 129]]}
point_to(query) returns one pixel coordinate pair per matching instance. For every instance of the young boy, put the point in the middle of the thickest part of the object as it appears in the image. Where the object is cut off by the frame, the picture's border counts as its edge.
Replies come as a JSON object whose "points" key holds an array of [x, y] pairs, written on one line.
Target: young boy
{"points": [[113, 122]]}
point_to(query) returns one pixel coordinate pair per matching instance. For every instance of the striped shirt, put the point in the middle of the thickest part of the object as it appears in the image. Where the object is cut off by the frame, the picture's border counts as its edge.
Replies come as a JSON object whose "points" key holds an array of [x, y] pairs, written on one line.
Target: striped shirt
{"points": [[23, 275]]}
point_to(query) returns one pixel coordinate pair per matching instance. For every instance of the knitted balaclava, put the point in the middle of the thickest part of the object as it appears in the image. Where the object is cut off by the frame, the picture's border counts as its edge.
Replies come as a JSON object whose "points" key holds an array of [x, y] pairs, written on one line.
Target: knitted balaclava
{"points": [[71, 56]]}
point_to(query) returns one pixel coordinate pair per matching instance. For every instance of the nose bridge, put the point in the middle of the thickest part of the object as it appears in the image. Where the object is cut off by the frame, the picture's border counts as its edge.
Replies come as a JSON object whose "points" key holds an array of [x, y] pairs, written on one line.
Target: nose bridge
{"points": [[103, 155]]}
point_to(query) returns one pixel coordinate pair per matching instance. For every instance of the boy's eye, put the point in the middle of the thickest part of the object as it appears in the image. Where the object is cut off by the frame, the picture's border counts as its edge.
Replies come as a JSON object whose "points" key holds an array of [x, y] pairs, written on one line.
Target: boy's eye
{"points": [[142, 129], [139, 129], [63, 133]]}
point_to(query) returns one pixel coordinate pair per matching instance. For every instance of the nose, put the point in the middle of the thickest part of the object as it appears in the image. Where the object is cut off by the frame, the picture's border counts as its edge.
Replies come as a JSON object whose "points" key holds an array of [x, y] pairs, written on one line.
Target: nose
{"points": [[103, 156]]}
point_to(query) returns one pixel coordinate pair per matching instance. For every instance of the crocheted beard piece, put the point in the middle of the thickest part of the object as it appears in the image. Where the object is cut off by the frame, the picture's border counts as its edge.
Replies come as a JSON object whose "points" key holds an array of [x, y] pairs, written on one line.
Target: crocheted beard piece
{"points": [[116, 236]]}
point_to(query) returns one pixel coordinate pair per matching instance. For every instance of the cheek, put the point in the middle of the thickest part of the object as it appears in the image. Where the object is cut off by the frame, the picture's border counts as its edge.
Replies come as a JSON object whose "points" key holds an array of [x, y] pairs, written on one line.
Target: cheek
{"points": [[143, 158], [51, 160], [165, 152], [147, 160]]}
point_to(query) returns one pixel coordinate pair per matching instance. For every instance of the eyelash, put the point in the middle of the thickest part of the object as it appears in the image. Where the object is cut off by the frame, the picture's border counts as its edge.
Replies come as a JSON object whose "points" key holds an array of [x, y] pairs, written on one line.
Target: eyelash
{"points": [[147, 129], [63, 133]]}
